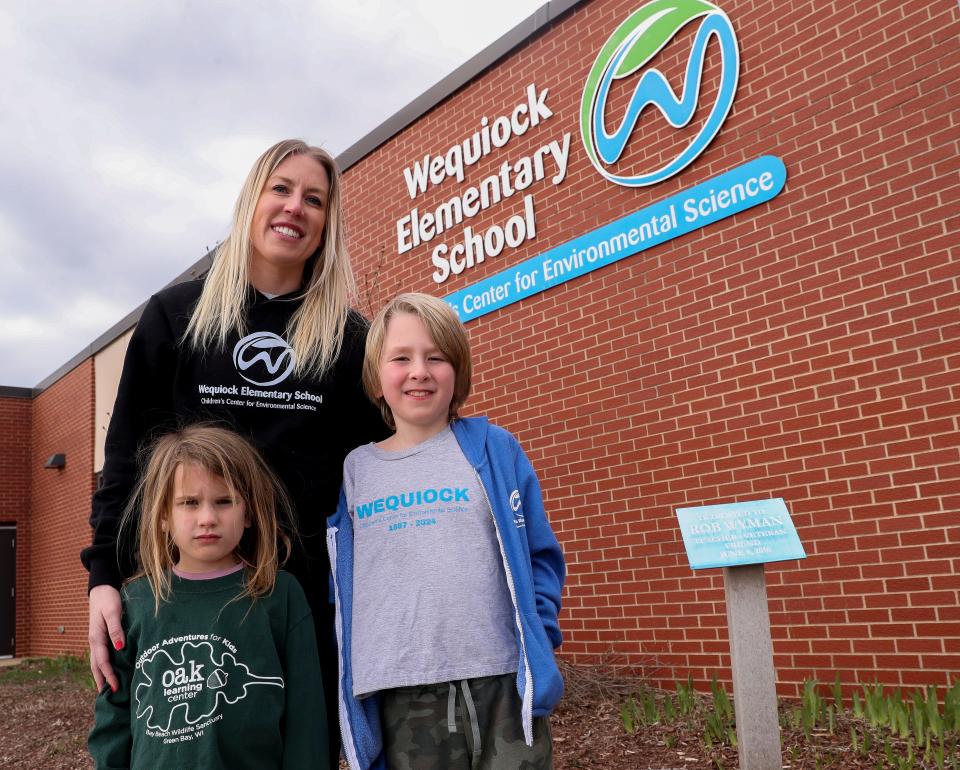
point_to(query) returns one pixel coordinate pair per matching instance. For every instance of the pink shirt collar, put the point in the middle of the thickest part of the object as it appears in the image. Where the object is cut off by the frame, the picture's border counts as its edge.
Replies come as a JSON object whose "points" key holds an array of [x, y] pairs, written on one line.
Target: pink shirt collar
{"points": [[207, 575]]}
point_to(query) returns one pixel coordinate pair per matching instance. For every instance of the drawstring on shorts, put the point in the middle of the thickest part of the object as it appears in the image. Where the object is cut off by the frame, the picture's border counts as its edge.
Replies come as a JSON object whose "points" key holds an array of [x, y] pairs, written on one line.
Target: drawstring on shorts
{"points": [[471, 712]]}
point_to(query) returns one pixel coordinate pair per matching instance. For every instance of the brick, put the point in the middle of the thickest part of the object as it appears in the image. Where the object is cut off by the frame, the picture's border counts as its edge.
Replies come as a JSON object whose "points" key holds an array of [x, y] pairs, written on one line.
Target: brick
{"points": [[943, 662], [802, 349]]}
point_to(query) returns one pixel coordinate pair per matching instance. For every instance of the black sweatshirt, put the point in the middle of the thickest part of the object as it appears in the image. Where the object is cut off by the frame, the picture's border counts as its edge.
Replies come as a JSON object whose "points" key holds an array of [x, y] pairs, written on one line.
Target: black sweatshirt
{"points": [[303, 426]]}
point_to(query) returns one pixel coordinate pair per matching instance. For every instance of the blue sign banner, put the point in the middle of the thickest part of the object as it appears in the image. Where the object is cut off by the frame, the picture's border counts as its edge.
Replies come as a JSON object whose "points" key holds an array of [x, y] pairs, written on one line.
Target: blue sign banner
{"points": [[733, 534], [723, 196]]}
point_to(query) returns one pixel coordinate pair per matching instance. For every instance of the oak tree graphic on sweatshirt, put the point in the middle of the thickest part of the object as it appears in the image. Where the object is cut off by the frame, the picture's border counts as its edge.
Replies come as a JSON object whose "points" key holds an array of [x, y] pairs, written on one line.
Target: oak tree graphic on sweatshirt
{"points": [[189, 686]]}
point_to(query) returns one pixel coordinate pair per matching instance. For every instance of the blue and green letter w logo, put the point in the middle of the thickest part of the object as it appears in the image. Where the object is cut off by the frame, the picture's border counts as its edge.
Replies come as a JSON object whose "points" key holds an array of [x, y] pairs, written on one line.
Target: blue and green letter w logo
{"points": [[629, 49]]}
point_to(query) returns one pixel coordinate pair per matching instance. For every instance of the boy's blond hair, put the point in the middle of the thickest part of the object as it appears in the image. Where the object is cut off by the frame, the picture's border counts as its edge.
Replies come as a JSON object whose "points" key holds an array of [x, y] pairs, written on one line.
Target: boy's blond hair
{"points": [[223, 453], [447, 333]]}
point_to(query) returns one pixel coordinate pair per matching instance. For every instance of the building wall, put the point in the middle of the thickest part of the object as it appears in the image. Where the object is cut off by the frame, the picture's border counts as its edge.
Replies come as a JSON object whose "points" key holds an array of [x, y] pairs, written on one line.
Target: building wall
{"points": [[63, 420], [15, 500], [107, 366], [805, 349]]}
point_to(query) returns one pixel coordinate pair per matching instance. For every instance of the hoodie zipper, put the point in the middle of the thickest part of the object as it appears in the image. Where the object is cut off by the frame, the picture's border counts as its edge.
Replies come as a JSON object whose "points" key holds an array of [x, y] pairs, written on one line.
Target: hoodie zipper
{"points": [[349, 750], [528, 674]]}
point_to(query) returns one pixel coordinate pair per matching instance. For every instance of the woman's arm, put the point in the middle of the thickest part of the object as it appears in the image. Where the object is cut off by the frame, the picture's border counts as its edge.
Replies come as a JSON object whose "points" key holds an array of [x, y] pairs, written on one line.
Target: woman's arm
{"points": [[110, 742], [104, 632], [144, 403], [546, 556]]}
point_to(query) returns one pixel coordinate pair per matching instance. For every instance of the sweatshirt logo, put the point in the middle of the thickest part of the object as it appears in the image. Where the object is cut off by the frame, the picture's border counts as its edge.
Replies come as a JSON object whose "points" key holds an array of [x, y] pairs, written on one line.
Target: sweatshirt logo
{"points": [[518, 519], [263, 358], [182, 687]]}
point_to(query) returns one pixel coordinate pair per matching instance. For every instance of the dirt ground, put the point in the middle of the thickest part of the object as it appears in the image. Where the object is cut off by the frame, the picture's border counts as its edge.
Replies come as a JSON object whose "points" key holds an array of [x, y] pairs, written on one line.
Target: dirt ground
{"points": [[45, 714], [46, 707]]}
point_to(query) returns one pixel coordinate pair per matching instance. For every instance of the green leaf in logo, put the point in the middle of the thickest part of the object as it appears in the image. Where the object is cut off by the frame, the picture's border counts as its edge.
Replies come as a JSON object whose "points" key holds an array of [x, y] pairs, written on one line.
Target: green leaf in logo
{"points": [[653, 25], [659, 22]]}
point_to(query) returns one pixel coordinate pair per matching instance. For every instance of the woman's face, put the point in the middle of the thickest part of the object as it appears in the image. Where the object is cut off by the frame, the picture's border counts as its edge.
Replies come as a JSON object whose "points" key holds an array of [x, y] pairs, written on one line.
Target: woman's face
{"points": [[289, 219]]}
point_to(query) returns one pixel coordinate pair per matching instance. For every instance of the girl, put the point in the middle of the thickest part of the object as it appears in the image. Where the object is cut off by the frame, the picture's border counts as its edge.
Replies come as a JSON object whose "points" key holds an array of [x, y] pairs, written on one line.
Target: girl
{"points": [[267, 344], [220, 666]]}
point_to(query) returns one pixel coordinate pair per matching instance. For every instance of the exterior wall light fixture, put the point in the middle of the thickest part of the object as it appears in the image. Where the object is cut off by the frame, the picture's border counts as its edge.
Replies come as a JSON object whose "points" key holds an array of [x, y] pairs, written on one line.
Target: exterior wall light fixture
{"points": [[57, 461]]}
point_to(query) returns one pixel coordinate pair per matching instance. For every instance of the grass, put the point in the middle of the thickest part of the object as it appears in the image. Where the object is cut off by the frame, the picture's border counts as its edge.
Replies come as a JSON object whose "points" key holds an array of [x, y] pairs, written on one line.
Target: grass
{"points": [[882, 728], [75, 668]]}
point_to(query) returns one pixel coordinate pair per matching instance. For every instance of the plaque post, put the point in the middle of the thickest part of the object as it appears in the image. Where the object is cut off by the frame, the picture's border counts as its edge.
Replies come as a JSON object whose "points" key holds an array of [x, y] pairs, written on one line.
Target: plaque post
{"points": [[741, 538], [754, 678]]}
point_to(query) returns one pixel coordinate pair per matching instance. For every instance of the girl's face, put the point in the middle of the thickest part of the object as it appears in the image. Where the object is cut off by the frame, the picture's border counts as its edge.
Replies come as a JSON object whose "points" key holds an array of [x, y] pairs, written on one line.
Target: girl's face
{"points": [[207, 520], [288, 221], [416, 379]]}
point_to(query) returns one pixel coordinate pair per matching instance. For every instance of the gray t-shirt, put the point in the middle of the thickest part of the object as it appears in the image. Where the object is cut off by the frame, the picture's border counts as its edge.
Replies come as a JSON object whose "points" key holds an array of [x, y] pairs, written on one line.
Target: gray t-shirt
{"points": [[430, 599]]}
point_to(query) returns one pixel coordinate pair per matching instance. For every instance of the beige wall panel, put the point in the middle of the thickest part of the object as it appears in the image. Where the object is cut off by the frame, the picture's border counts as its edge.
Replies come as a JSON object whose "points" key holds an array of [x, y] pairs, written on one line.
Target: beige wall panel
{"points": [[107, 366]]}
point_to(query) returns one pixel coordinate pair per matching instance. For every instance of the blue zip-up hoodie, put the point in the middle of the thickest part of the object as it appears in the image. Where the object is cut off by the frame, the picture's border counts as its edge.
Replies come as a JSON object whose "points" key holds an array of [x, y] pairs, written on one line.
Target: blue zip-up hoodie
{"points": [[534, 568]]}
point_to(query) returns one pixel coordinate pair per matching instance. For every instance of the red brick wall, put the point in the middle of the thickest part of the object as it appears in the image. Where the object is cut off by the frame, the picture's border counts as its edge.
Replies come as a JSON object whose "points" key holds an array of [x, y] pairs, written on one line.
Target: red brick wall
{"points": [[15, 500], [806, 349], [63, 420]]}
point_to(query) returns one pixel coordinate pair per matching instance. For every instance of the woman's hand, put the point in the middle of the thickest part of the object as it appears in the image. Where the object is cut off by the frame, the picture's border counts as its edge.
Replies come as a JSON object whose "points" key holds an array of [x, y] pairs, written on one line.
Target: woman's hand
{"points": [[105, 629]]}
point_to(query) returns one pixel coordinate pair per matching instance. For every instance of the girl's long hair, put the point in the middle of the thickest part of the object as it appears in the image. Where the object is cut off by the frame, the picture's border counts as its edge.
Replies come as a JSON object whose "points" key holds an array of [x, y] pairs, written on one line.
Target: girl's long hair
{"points": [[265, 543], [315, 331]]}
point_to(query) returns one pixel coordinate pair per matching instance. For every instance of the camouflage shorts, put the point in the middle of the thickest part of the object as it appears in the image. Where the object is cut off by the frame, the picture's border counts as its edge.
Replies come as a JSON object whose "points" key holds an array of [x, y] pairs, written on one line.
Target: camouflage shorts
{"points": [[487, 735]]}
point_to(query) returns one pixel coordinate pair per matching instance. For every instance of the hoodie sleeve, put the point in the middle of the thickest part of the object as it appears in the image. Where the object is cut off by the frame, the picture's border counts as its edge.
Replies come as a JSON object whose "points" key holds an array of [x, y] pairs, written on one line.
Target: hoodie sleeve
{"points": [[546, 557], [110, 741], [144, 402], [359, 718]]}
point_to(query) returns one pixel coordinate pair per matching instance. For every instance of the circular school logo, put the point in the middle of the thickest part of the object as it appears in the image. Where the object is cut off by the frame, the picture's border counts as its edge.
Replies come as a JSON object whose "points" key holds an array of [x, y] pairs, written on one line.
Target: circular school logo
{"points": [[627, 54], [263, 358]]}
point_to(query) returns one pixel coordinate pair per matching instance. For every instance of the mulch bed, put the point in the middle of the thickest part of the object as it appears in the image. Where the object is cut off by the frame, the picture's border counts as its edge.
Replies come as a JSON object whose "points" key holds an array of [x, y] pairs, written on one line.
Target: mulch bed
{"points": [[46, 708], [45, 715]]}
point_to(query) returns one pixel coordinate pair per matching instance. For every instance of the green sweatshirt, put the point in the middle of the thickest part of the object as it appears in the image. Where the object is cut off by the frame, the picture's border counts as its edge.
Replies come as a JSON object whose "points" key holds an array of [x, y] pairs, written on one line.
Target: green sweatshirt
{"points": [[214, 683]]}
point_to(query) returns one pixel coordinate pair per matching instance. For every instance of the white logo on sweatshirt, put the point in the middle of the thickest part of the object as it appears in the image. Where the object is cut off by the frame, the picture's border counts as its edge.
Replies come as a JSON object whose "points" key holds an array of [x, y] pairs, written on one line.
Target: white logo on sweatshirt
{"points": [[175, 696], [518, 518], [268, 355]]}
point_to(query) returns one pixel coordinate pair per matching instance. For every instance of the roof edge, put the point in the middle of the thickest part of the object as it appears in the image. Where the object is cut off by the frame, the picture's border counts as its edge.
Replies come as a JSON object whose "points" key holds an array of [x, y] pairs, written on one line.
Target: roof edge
{"points": [[10, 391], [122, 326]]}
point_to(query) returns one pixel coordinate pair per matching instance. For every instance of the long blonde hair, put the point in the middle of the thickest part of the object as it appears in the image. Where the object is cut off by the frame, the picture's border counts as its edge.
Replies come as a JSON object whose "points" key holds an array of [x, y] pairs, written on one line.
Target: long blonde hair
{"points": [[315, 332], [222, 453]]}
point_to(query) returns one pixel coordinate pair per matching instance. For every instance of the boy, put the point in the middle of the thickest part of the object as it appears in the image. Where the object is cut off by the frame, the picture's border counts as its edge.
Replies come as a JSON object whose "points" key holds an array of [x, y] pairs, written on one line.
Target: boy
{"points": [[447, 576]]}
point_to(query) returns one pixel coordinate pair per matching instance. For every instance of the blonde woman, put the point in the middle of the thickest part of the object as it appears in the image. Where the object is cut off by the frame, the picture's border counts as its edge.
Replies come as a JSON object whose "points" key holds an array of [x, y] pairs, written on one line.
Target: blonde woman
{"points": [[267, 344]]}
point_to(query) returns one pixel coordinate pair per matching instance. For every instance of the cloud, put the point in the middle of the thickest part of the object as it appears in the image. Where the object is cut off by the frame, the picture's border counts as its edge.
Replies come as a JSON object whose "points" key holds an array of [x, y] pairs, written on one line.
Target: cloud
{"points": [[54, 328], [128, 130]]}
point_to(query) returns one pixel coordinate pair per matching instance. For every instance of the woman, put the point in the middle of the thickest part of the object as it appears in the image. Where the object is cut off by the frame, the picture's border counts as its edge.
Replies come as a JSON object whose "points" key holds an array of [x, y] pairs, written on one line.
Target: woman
{"points": [[268, 344]]}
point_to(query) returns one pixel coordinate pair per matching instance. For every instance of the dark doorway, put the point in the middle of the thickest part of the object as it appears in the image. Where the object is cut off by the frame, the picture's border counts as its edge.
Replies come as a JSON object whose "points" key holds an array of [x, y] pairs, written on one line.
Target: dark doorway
{"points": [[8, 583]]}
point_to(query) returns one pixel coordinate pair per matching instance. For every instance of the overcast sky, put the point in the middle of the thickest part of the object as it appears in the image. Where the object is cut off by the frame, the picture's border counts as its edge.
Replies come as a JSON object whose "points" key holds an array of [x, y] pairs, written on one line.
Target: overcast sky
{"points": [[126, 129]]}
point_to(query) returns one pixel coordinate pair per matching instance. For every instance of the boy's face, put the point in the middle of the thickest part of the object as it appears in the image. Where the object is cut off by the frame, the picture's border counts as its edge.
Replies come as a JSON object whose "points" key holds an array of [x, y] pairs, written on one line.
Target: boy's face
{"points": [[416, 379]]}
